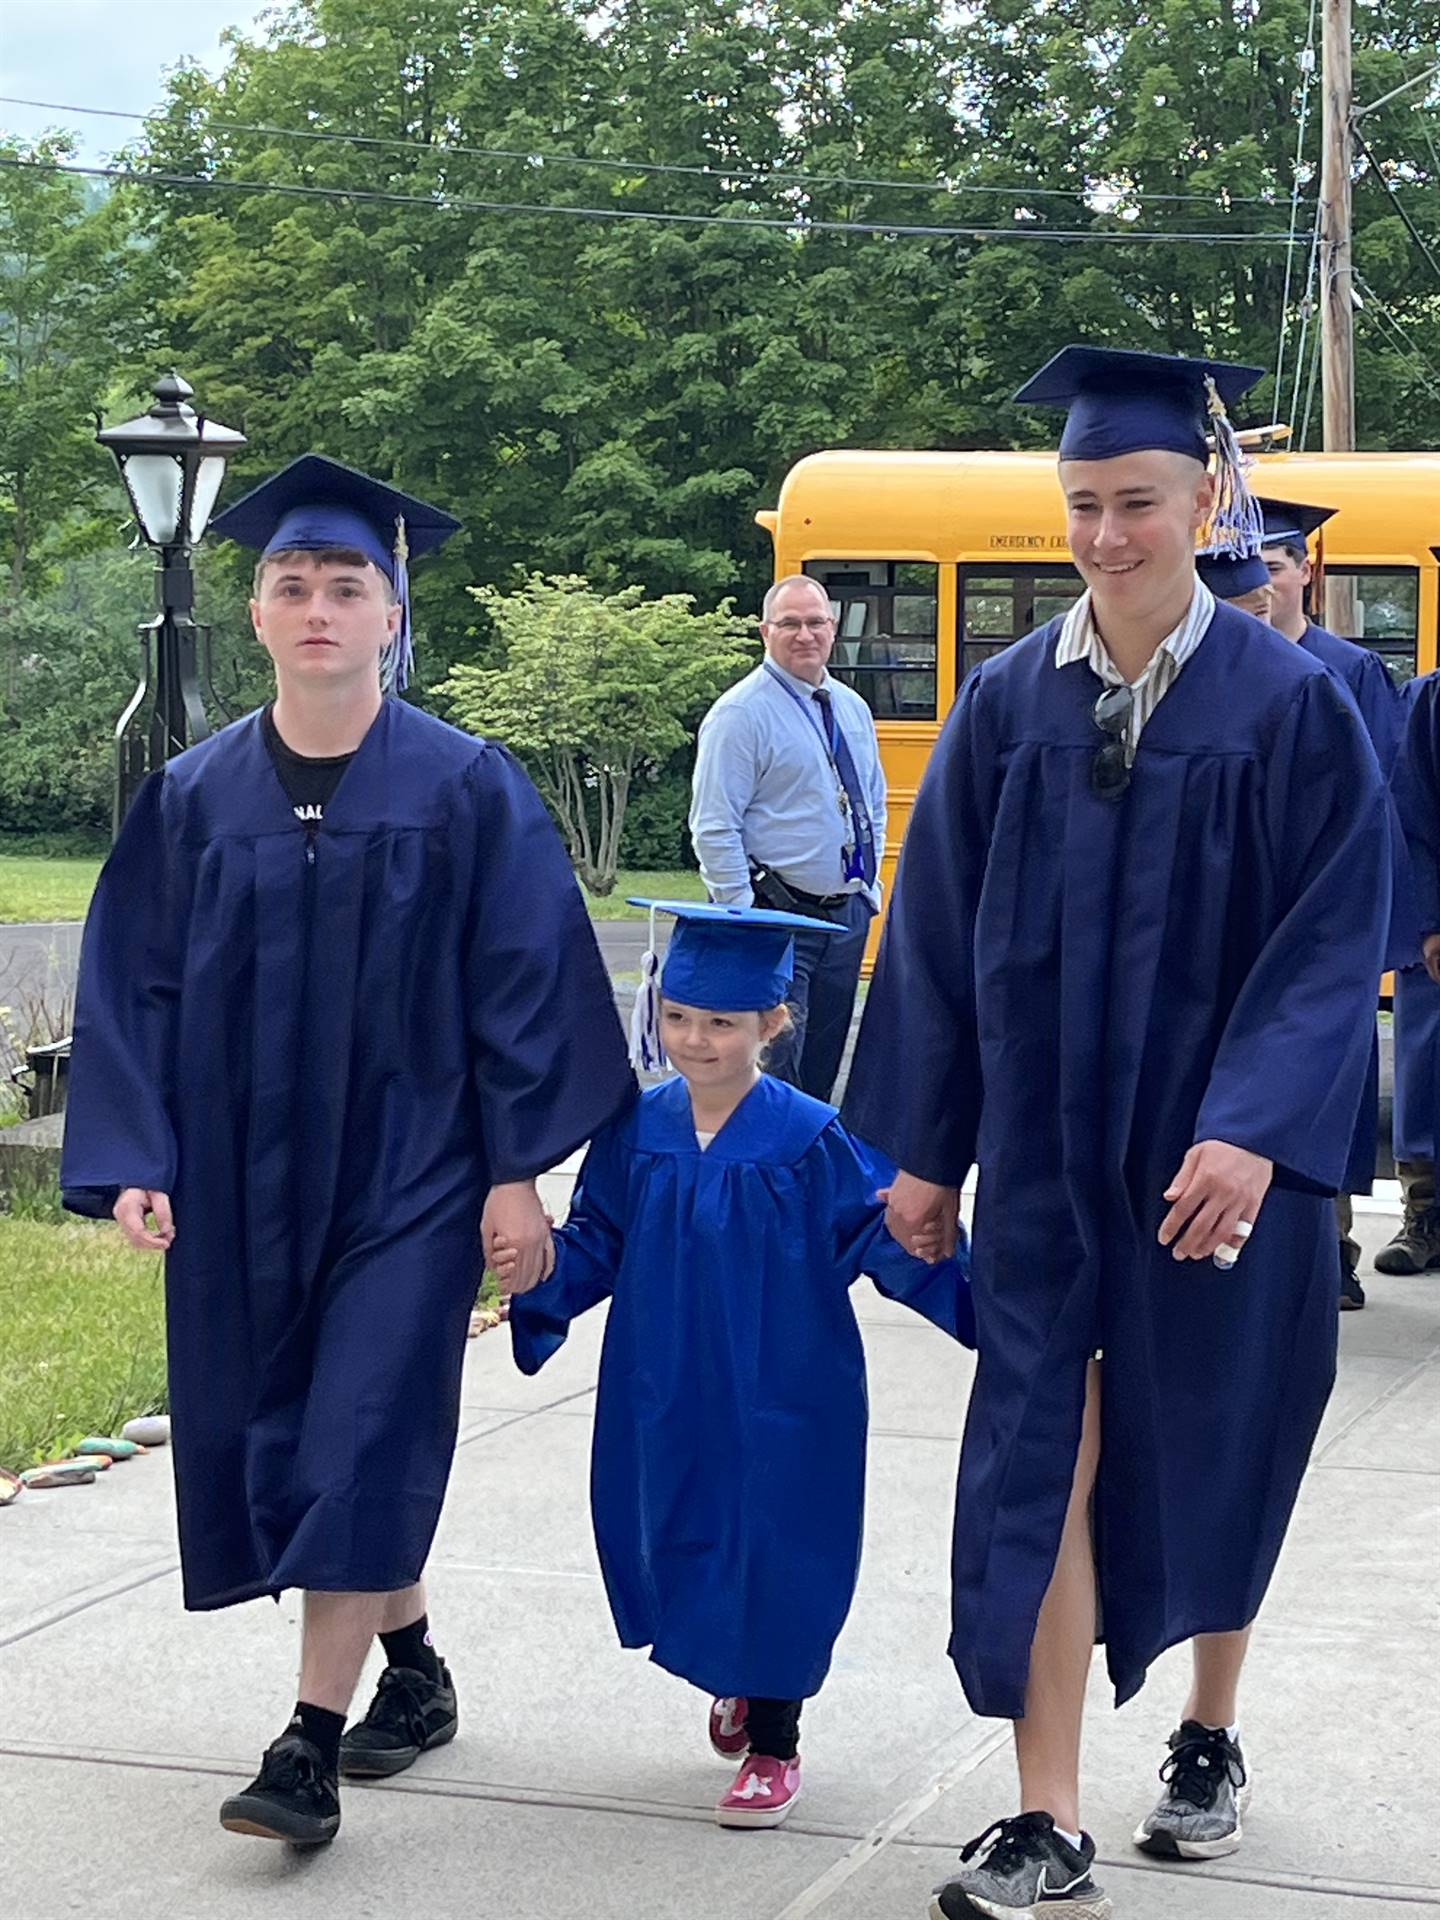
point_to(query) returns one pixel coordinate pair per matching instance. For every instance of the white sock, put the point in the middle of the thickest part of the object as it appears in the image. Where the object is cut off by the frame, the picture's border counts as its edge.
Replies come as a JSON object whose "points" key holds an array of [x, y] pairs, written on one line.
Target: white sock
{"points": [[1232, 1733], [1070, 1839]]}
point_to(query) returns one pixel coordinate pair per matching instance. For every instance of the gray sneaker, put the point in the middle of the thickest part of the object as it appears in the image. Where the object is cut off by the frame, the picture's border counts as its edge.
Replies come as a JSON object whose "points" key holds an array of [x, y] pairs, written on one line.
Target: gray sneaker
{"points": [[1025, 1869], [1206, 1790]]}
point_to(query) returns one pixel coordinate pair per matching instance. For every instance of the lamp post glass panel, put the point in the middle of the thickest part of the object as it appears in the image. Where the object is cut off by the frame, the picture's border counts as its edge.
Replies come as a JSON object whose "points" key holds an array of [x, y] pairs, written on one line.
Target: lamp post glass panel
{"points": [[172, 461]]}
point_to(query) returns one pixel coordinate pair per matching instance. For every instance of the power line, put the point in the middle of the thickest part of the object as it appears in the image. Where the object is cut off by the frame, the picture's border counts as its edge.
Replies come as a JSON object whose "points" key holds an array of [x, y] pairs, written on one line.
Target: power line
{"points": [[1374, 304], [1307, 64], [1396, 202], [1430, 73], [799, 223], [786, 175]]}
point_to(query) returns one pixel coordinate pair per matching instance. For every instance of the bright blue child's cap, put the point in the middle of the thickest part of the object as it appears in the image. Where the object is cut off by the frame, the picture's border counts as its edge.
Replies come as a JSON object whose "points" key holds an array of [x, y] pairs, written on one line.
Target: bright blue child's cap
{"points": [[1228, 577], [1125, 402], [730, 959]]}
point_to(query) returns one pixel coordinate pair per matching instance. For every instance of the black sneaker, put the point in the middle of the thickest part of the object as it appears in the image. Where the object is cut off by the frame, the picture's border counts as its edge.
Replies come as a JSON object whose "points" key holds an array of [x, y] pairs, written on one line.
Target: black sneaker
{"points": [[291, 1798], [1207, 1789], [410, 1714], [1027, 1869], [1352, 1294]]}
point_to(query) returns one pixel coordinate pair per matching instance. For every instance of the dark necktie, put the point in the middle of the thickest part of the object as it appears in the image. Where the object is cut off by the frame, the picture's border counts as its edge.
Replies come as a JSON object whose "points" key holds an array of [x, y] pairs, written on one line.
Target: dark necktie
{"points": [[860, 822]]}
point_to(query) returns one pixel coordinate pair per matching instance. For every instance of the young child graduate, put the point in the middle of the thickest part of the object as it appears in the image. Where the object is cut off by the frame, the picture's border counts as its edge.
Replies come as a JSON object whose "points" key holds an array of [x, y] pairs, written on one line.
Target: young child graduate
{"points": [[339, 1004], [728, 1216]]}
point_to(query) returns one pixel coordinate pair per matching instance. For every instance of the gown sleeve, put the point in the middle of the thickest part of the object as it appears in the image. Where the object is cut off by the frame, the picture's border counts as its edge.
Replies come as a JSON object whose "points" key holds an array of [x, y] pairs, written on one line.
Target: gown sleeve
{"points": [[118, 1131], [915, 1085], [1290, 1069], [550, 1058], [1378, 699], [588, 1251], [863, 1244], [1417, 794]]}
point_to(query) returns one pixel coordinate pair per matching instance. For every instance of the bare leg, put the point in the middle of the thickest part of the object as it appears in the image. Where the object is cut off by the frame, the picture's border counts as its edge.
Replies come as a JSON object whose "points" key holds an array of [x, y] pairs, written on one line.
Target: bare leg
{"points": [[402, 1608], [336, 1637], [1047, 1740], [1218, 1658]]}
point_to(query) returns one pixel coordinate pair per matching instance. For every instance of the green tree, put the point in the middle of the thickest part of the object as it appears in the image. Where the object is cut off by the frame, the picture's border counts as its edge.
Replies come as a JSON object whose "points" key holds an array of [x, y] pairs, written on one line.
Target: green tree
{"points": [[63, 253], [594, 689]]}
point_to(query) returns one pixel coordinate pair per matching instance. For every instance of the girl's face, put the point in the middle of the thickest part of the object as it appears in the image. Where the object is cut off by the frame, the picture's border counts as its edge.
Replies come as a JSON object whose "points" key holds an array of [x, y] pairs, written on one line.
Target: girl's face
{"points": [[713, 1049]]}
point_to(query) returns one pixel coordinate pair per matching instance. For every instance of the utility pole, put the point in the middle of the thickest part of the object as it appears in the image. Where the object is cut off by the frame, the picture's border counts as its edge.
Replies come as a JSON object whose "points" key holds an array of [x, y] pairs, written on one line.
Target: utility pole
{"points": [[1337, 307]]}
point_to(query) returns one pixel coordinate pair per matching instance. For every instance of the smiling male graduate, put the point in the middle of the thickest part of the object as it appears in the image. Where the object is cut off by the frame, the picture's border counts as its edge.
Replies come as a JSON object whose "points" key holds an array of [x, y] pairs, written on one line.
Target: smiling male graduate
{"points": [[338, 995], [1129, 962]]}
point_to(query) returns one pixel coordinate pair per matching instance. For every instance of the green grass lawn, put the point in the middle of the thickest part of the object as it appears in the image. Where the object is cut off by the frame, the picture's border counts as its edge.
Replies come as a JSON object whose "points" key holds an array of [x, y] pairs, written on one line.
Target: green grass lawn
{"points": [[82, 1336], [674, 885], [34, 888]]}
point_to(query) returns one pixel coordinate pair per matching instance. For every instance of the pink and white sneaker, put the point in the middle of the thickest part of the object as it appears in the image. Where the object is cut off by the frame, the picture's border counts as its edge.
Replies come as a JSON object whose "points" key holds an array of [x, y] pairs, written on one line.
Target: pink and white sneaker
{"points": [[728, 1737], [763, 1793]]}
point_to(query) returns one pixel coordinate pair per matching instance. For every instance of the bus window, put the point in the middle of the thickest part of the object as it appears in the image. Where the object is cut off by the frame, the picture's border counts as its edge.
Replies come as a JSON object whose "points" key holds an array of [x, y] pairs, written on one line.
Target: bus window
{"points": [[886, 632], [999, 605], [1379, 607]]}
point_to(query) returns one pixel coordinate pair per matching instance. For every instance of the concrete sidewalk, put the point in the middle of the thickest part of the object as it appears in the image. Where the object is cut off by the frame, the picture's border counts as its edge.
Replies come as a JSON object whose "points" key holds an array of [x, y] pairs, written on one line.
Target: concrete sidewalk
{"points": [[581, 1783]]}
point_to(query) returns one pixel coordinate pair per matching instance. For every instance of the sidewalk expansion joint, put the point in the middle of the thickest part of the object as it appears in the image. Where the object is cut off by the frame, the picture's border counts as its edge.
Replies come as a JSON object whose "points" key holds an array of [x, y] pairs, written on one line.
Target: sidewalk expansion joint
{"points": [[94, 1597]]}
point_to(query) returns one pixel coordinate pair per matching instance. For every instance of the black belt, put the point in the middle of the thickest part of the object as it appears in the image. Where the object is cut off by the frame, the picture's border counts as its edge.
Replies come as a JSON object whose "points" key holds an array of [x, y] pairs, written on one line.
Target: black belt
{"points": [[769, 888]]}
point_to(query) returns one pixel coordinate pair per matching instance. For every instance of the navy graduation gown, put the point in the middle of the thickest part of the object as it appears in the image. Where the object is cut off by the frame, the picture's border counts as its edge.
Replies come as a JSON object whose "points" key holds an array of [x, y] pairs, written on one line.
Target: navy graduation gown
{"points": [[728, 1470], [1070, 993], [325, 1043], [1417, 998], [1368, 681]]}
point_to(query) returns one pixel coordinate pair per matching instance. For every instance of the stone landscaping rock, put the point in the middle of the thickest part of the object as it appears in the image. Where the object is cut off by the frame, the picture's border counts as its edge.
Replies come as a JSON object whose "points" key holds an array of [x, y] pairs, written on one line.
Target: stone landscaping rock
{"points": [[101, 1445], [11, 1487], [60, 1473], [150, 1430]]}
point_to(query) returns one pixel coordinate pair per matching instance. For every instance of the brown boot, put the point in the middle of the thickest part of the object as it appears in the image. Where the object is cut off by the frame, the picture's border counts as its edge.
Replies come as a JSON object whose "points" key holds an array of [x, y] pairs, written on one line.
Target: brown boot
{"points": [[1416, 1247]]}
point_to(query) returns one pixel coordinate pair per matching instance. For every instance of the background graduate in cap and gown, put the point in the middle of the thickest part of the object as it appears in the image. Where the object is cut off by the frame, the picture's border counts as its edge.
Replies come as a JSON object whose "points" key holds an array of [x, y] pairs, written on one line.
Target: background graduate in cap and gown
{"points": [[726, 1218], [337, 985], [1129, 963], [1416, 1246], [1270, 582]]}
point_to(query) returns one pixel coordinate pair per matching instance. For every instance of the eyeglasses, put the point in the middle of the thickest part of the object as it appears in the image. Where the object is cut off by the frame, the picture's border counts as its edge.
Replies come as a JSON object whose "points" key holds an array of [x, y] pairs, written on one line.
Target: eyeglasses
{"points": [[1110, 769], [818, 623]]}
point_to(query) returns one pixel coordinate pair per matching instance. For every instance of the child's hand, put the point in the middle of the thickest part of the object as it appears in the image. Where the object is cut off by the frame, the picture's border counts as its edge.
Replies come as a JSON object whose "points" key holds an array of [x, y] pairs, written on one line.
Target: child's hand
{"points": [[505, 1263]]}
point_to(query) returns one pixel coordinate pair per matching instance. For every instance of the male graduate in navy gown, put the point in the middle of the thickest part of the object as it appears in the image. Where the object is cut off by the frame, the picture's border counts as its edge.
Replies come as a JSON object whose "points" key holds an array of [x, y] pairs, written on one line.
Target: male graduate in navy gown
{"points": [[337, 987], [1135, 939], [1417, 989]]}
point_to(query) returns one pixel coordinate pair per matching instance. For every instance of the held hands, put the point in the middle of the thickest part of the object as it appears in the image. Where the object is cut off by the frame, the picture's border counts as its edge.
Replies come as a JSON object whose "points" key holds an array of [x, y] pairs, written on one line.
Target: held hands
{"points": [[923, 1218], [515, 1237], [1431, 951], [131, 1210], [1215, 1199]]}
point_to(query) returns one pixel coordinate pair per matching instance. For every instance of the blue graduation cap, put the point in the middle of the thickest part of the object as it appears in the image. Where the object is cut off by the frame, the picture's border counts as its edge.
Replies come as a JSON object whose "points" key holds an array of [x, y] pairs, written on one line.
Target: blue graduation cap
{"points": [[1230, 575], [1289, 524], [1120, 401], [316, 503], [725, 959]]}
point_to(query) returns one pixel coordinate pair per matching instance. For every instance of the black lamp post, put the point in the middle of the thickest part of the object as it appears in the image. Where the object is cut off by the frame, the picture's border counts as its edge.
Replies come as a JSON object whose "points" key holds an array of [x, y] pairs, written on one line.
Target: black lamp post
{"points": [[172, 461]]}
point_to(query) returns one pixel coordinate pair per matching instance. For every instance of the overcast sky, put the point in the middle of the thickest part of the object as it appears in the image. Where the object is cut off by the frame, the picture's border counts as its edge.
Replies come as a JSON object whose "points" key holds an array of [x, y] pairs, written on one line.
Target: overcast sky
{"points": [[103, 53]]}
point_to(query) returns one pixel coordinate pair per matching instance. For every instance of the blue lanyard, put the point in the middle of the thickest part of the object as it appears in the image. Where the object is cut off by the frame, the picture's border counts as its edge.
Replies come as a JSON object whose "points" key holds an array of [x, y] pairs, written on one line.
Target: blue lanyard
{"points": [[810, 706]]}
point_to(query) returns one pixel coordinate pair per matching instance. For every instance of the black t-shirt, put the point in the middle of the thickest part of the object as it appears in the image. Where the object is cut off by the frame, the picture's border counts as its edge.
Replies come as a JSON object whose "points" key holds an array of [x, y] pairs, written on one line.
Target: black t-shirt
{"points": [[308, 783]]}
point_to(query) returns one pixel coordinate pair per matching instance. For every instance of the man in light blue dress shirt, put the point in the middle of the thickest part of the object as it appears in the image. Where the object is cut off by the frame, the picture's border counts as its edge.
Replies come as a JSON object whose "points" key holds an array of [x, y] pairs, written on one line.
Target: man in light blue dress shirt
{"points": [[788, 811]]}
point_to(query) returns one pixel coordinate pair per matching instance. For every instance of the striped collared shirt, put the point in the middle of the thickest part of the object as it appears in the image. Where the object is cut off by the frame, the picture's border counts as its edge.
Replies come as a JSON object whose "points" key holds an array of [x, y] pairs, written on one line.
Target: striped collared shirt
{"points": [[1080, 640]]}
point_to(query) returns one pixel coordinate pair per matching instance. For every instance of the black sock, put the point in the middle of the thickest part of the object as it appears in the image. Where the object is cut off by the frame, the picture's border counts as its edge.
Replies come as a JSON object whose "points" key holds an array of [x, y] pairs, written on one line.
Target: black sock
{"points": [[323, 1727], [773, 1727], [410, 1647]]}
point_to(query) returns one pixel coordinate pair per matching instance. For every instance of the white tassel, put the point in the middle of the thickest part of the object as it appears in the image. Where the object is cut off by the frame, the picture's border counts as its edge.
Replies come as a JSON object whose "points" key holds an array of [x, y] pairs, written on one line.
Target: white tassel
{"points": [[647, 1049]]}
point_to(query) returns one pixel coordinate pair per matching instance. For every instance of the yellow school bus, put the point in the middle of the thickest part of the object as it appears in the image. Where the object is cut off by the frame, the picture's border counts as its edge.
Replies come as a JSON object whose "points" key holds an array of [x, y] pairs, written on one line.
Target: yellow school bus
{"points": [[937, 560]]}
